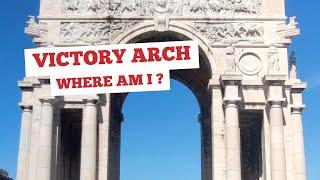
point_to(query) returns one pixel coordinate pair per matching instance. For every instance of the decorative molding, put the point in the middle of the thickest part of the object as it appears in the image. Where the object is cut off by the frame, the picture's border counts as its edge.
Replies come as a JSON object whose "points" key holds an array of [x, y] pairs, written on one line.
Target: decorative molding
{"points": [[231, 33], [94, 32], [217, 8]]}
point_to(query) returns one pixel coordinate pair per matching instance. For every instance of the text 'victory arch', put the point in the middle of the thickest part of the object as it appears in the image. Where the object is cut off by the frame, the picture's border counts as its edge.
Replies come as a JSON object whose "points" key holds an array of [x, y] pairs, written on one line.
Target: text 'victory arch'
{"points": [[247, 87]]}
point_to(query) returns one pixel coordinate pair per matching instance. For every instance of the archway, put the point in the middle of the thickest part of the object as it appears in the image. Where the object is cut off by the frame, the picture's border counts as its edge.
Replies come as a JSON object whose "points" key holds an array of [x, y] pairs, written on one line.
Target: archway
{"points": [[161, 138], [195, 79]]}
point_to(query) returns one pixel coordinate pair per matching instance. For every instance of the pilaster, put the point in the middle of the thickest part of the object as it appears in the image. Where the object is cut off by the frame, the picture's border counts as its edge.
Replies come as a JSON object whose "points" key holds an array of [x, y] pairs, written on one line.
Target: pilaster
{"points": [[217, 129]]}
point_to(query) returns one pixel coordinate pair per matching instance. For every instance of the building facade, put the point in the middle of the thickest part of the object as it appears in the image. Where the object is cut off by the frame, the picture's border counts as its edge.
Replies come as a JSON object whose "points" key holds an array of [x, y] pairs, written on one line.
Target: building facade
{"points": [[247, 87]]}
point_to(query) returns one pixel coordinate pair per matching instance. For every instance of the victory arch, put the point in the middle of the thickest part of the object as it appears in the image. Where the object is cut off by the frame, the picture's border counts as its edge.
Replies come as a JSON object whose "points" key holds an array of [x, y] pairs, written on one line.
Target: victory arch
{"points": [[247, 87]]}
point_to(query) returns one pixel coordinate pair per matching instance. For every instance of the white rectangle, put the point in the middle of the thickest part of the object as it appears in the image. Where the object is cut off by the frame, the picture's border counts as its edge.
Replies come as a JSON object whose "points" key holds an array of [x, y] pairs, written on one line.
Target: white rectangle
{"points": [[91, 64], [76, 61], [115, 82]]}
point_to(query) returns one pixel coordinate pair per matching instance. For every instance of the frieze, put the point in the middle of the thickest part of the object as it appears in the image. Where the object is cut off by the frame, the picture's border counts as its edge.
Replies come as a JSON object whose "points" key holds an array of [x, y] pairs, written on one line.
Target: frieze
{"points": [[94, 32], [231, 33], [189, 8]]}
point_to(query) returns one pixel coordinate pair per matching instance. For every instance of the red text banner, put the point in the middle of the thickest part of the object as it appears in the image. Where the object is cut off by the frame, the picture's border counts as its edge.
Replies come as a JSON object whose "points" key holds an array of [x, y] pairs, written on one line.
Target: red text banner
{"points": [[111, 68]]}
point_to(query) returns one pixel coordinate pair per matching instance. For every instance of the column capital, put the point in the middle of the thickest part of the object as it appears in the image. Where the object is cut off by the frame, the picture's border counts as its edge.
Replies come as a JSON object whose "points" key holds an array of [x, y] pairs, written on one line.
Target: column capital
{"points": [[231, 79], [28, 83], [297, 109], [231, 101], [91, 101], [25, 107], [25, 85], [215, 82], [47, 100], [298, 87], [276, 102], [274, 79]]}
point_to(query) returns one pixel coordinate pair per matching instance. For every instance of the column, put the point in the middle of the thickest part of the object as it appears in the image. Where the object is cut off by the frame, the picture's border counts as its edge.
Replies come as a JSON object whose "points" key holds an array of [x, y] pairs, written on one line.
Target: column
{"points": [[45, 140], [24, 147], [89, 141], [233, 154], [206, 146], [298, 144], [275, 92], [231, 99], [278, 158], [297, 106]]}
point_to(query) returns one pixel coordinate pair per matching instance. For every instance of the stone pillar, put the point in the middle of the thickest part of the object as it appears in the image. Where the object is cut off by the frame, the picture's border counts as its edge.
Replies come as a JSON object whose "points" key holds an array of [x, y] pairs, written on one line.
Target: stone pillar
{"points": [[231, 99], [89, 141], [206, 146], [114, 146], [24, 147], [298, 145], [278, 158], [45, 140], [297, 131], [275, 98]]}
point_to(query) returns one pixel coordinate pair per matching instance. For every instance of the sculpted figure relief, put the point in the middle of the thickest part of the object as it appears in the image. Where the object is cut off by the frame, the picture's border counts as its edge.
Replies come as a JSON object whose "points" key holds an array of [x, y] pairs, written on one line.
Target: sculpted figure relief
{"points": [[177, 7], [231, 32], [93, 33], [162, 15], [273, 60], [231, 59], [161, 11]]}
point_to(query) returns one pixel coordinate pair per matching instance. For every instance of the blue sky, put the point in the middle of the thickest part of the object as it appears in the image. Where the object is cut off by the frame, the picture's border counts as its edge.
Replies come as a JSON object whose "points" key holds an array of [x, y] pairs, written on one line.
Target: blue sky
{"points": [[167, 155]]}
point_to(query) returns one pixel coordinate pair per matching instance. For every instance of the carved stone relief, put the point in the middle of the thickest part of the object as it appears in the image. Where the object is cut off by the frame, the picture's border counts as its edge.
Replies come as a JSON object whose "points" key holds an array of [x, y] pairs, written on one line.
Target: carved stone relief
{"points": [[38, 31], [274, 66], [177, 7], [161, 18], [250, 64], [94, 32], [230, 33], [231, 67], [288, 31]]}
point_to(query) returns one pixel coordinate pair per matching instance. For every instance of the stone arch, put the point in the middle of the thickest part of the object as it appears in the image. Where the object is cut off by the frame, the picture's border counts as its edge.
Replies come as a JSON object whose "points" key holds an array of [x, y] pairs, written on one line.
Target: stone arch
{"points": [[185, 32], [197, 80], [177, 31]]}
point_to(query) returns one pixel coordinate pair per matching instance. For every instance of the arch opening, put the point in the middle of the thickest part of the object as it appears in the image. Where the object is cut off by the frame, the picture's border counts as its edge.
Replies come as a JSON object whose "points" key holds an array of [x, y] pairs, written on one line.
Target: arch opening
{"points": [[195, 79], [160, 135]]}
